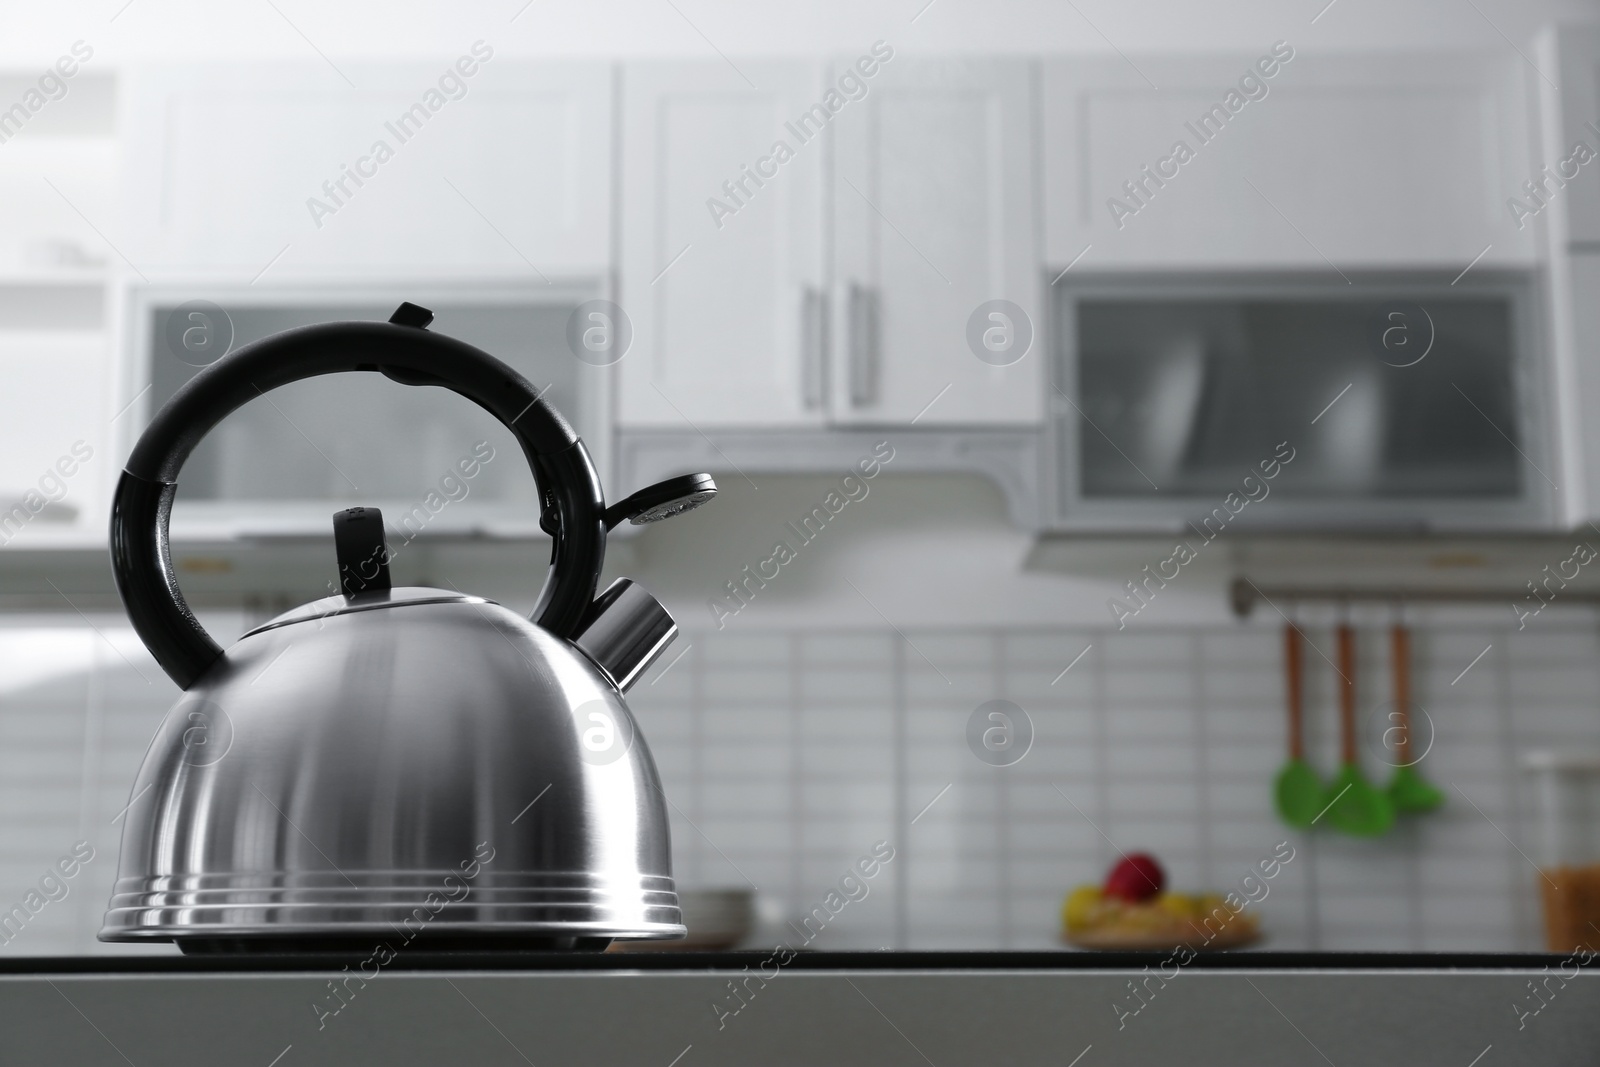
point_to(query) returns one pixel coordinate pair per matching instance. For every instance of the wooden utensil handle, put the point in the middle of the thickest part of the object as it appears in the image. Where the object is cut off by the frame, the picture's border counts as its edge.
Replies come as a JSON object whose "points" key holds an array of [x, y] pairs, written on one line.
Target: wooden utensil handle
{"points": [[1294, 670], [1400, 653], [1347, 693]]}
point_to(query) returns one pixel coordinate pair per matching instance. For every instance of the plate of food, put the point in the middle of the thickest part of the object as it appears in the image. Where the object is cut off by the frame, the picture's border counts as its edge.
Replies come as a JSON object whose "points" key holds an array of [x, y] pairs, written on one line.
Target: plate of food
{"points": [[1134, 911]]}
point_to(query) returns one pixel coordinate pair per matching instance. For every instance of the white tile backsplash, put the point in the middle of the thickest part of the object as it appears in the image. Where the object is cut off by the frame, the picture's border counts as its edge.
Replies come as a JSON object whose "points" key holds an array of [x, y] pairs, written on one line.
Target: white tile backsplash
{"points": [[786, 755], [1165, 740]]}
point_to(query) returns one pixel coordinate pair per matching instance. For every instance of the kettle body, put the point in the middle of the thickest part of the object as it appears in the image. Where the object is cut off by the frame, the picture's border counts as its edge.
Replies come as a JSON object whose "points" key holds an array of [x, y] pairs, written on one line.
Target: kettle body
{"points": [[398, 764]]}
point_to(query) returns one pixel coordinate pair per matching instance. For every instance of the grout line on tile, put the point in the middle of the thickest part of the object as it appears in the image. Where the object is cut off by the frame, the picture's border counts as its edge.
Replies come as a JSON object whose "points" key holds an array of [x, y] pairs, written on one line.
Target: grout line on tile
{"points": [[1202, 752], [1002, 800], [796, 772], [904, 870]]}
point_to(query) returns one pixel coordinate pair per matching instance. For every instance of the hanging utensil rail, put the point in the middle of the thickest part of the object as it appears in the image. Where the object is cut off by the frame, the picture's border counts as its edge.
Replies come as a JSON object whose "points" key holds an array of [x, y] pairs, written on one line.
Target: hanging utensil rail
{"points": [[1243, 594]]}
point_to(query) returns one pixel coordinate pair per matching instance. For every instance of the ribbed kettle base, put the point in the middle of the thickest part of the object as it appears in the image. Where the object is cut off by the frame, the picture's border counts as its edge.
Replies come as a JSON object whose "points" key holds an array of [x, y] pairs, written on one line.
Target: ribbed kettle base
{"points": [[342, 947], [428, 908]]}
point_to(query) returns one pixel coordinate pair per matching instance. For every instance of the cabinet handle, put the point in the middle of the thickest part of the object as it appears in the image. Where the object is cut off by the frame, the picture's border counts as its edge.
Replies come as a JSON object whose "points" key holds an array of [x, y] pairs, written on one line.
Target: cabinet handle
{"points": [[863, 345], [813, 347]]}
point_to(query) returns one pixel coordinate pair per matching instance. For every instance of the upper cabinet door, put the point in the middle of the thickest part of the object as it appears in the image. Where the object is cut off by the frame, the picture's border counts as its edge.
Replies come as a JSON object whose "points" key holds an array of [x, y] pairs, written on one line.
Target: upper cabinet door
{"points": [[473, 166], [722, 237], [1571, 113], [1285, 159], [934, 225], [55, 430]]}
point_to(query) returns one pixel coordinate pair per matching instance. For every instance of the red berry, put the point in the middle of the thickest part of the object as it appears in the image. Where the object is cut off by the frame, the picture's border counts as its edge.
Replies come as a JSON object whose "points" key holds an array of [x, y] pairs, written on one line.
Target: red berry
{"points": [[1136, 876]]}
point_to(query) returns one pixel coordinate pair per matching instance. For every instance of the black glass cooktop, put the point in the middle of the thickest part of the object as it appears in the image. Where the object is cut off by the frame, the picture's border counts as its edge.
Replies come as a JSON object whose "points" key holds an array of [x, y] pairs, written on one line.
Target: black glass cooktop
{"points": [[804, 961]]}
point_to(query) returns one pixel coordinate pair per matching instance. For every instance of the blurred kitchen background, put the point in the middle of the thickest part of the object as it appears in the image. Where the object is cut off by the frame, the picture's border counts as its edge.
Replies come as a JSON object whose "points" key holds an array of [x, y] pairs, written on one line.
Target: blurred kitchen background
{"points": [[1342, 348]]}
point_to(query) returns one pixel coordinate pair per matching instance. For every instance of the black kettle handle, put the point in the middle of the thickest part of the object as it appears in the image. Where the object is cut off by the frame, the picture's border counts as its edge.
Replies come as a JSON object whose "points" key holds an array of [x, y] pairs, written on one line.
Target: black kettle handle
{"points": [[141, 556]]}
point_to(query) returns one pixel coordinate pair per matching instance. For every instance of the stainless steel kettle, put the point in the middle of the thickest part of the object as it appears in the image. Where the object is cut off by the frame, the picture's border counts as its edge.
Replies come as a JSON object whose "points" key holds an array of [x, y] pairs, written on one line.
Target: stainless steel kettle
{"points": [[396, 764]]}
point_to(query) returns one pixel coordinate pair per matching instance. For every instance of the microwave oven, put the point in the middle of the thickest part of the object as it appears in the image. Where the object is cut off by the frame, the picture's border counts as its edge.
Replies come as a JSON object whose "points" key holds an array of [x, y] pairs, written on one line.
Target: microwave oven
{"points": [[1382, 402], [285, 461]]}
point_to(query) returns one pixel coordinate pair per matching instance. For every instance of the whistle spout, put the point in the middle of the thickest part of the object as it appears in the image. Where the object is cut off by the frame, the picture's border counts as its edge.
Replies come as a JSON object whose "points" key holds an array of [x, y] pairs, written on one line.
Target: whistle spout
{"points": [[624, 631]]}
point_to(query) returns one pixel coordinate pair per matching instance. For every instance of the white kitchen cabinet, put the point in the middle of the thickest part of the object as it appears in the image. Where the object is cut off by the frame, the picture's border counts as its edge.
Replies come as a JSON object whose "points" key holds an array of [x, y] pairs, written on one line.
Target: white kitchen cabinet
{"points": [[1345, 162], [1575, 300], [1568, 227], [58, 179], [55, 423], [1571, 57], [934, 215], [722, 272], [276, 171], [921, 188], [56, 192]]}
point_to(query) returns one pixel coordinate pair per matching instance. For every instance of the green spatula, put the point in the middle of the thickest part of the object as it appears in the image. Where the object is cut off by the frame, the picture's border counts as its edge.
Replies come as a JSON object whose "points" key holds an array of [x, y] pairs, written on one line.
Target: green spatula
{"points": [[1408, 790], [1355, 805], [1297, 791]]}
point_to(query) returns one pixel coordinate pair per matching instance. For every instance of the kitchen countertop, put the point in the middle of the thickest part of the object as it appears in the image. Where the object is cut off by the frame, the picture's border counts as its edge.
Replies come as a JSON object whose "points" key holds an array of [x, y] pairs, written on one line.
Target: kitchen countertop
{"points": [[885, 960], [672, 1009]]}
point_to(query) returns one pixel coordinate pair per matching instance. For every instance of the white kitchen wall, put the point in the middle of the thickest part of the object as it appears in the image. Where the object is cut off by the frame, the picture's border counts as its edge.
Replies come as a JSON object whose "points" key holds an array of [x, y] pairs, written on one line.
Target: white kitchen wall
{"points": [[80, 701], [788, 753]]}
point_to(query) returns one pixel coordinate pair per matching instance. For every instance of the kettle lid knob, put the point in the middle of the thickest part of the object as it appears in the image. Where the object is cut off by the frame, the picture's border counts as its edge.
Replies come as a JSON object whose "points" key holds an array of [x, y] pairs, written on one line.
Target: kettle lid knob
{"points": [[409, 314], [362, 550]]}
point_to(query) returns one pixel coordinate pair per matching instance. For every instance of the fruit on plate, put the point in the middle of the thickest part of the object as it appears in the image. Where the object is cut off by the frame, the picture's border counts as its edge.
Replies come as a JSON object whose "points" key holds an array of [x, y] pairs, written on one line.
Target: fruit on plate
{"points": [[1136, 877], [1179, 906], [1080, 907]]}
